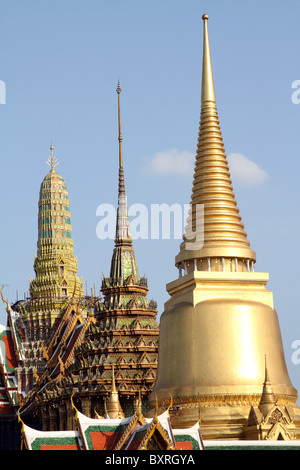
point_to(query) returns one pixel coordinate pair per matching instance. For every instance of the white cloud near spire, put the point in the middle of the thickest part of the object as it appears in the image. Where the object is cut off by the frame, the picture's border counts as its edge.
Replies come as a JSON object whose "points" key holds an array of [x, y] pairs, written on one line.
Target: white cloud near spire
{"points": [[245, 171], [174, 162], [171, 162]]}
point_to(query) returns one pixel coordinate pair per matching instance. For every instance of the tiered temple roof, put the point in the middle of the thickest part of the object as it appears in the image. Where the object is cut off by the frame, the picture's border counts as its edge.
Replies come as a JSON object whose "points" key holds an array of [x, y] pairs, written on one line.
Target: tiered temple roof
{"points": [[103, 352], [125, 334], [133, 433]]}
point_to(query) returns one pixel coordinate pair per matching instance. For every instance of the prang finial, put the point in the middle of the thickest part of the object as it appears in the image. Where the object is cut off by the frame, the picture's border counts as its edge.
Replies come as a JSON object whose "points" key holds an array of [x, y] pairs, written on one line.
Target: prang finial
{"points": [[52, 161], [120, 133], [118, 90]]}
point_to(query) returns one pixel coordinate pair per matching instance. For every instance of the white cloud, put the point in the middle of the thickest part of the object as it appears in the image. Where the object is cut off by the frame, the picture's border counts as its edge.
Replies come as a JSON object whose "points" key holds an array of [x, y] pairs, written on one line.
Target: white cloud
{"points": [[171, 162], [175, 162], [245, 171]]}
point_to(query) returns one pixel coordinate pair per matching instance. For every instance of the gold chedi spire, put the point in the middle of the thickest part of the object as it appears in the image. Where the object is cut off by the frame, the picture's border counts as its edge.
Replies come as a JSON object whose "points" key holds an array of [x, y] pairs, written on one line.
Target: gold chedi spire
{"points": [[223, 241], [267, 400], [219, 322]]}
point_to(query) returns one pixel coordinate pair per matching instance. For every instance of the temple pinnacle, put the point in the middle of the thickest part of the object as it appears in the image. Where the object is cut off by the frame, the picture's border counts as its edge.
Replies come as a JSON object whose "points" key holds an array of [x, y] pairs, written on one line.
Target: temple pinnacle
{"points": [[122, 229], [52, 161], [267, 400], [218, 232], [118, 90], [208, 89]]}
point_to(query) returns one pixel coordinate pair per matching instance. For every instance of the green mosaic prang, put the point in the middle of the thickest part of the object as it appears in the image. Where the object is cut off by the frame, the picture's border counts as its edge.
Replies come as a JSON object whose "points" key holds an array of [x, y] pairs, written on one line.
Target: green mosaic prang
{"points": [[55, 265]]}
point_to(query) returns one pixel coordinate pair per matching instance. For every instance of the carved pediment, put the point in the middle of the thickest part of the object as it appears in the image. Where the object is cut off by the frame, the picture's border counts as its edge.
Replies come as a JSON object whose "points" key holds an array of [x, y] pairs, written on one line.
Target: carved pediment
{"points": [[129, 280], [276, 425], [121, 360], [144, 359], [141, 342], [120, 375], [280, 432], [150, 374], [136, 325], [119, 343], [277, 415]]}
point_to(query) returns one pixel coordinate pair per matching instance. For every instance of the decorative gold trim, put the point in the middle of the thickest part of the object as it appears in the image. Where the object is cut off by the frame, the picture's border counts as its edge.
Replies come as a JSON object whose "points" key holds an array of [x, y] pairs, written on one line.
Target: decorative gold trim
{"points": [[208, 401]]}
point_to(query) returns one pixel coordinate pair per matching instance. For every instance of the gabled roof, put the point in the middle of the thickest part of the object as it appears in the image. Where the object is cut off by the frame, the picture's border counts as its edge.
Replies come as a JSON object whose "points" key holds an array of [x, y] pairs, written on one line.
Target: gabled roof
{"points": [[136, 421], [60, 352], [151, 431], [101, 434], [123, 434], [133, 433]]}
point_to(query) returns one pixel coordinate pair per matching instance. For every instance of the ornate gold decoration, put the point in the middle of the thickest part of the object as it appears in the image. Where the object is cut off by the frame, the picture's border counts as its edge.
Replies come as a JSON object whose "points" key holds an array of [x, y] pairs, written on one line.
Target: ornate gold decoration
{"points": [[52, 161]]}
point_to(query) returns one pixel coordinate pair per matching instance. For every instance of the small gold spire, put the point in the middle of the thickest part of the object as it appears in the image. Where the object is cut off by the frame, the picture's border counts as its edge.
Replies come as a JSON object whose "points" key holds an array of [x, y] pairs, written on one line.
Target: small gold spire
{"points": [[268, 399], [120, 133], [52, 161], [112, 404]]}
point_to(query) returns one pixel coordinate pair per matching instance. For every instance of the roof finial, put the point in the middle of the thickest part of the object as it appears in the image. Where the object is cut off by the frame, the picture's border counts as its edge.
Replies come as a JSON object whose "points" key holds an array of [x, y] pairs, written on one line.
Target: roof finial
{"points": [[208, 90], [268, 399], [112, 404], [52, 161], [120, 133]]}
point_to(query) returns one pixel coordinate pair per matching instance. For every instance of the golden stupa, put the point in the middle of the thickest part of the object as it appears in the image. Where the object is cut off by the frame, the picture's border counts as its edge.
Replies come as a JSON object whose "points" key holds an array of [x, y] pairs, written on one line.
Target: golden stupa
{"points": [[219, 325]]}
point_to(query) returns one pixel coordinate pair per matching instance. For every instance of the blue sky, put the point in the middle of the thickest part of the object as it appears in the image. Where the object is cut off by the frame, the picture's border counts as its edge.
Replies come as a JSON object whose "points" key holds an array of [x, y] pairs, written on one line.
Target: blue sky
{"points": [[61, 61]]}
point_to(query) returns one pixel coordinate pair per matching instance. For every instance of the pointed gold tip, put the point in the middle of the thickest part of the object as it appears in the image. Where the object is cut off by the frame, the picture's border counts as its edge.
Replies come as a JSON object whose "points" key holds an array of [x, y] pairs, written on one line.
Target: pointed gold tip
{"points": [[208, 90]]}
